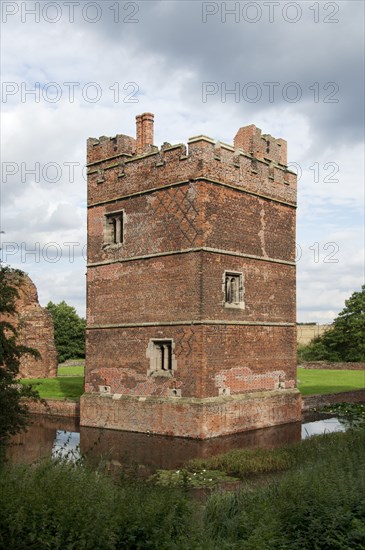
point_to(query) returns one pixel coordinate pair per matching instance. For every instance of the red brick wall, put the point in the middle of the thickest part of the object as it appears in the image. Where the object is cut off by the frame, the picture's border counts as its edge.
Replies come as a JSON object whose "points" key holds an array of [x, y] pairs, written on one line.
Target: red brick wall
{"points": [[124, 366], [193, 215], [55, 407], [260, 356], [332, 366], [265, 289], [263, 358], [188, 287], [323, 400], [164, 221], [209, 196], [105, 147], [144, 129], [160, 289], [245, 223], [249, 139]]}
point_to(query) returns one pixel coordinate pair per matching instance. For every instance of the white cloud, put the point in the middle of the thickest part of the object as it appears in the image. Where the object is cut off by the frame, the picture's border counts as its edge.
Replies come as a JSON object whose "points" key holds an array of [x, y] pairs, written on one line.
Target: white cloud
{"points": [[168, 55]]}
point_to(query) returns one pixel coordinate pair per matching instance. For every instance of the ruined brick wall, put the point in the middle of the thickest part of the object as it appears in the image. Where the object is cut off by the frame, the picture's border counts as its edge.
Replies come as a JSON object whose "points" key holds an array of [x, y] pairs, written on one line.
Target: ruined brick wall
{"points": [[35, 329], [306, 333], [189, 215]]}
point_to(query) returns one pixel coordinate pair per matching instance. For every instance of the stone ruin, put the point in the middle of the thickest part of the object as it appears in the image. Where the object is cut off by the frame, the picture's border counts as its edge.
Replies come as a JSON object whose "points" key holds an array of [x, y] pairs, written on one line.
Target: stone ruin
{"points": [[36, 330]]}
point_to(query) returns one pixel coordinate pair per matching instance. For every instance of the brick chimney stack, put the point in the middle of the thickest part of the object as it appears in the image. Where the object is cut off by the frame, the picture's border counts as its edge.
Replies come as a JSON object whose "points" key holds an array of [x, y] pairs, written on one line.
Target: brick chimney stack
{"points": [[144, 125]]}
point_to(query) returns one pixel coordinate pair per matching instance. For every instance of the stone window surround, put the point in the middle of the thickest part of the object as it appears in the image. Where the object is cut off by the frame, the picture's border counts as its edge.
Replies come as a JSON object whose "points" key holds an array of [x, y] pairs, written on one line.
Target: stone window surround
{"points": [[151, 354], [237, 304], [110, 235]]}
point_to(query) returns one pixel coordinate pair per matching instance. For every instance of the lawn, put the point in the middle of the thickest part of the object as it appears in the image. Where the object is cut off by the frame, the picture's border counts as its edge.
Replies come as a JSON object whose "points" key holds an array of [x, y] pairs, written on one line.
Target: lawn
{"points": [[313, 381], [58, 388], [70, 382], [77, 370]]}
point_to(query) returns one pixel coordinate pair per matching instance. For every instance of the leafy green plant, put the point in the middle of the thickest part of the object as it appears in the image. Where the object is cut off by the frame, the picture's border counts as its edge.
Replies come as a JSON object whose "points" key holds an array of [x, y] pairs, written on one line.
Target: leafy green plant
{"points": [[345, 340], [69, 331], [188, 478], [351, 414], [61, 505], [318, 505]]}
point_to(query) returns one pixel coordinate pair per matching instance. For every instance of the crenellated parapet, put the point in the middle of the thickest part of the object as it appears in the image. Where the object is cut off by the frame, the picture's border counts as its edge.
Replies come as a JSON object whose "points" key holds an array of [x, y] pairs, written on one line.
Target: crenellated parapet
{"points": [[250, 140], [123, 165], [104, 148]]}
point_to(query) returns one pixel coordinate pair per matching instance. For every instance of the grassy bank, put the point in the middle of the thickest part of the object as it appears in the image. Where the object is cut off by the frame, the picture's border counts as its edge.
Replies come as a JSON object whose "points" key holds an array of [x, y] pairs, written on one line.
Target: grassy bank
{"points": [[318, 504], [316, 381], [58, 388], [69, 383], [77, 370]]}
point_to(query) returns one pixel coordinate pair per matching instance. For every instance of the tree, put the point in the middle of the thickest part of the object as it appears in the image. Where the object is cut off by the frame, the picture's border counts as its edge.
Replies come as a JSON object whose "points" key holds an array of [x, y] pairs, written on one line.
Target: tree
{"points": [[14, 412], [69, 331], [346, 340]]}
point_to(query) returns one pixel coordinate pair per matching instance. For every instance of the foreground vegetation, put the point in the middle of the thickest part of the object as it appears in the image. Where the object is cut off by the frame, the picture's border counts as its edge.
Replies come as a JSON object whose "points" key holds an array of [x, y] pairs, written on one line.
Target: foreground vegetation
{"points": [[245, 464], [318, 504], [316, 381]]}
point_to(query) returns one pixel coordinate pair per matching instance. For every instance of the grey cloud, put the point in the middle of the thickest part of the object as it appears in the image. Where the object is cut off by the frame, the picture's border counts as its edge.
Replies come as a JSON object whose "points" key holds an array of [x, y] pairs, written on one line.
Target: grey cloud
{"points": [[304, 52]]}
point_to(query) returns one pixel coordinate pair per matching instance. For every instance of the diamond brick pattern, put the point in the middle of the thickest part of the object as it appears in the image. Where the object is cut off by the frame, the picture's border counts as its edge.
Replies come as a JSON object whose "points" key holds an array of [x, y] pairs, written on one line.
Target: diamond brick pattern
{"points": [[176, 206]]}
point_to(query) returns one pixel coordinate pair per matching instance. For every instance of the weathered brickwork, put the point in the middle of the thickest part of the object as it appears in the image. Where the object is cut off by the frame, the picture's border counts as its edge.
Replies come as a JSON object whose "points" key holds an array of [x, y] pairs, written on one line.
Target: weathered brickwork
{"points": [[35, 329], [183, 417], [191, 285]]}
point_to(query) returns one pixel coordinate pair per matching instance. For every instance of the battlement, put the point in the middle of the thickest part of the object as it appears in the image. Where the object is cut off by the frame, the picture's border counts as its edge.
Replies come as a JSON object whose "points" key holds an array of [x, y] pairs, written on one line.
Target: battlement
{"points": [[105, 148], [123, 165], [248, 141]]}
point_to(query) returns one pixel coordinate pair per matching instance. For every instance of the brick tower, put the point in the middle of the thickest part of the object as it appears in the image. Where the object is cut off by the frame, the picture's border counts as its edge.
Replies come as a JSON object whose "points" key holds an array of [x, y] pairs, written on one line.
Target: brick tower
{"points": [[190, 285]]}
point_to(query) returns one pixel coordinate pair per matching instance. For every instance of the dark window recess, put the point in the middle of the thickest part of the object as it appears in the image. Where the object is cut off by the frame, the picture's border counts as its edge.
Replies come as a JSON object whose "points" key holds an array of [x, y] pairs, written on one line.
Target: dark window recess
{"points": [[114, 228]]}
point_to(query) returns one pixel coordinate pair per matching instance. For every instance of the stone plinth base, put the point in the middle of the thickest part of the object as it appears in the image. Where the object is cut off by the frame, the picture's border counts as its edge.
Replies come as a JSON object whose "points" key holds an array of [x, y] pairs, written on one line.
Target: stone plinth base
{"points": [[191, 417]]}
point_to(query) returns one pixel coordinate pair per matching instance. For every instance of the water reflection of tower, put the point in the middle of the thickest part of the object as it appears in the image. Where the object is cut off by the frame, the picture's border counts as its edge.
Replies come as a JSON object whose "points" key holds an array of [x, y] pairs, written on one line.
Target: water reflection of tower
{"points": [[122, 450]]}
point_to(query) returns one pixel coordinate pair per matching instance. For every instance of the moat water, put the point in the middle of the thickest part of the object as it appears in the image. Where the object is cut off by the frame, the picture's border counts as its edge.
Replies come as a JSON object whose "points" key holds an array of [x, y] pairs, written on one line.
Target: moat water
{"points": [[63, 437]]}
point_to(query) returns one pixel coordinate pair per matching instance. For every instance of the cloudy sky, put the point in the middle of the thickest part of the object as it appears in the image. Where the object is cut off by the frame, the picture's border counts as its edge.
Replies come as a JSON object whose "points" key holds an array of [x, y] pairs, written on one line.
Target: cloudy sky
{"points": [[72, 70]]}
